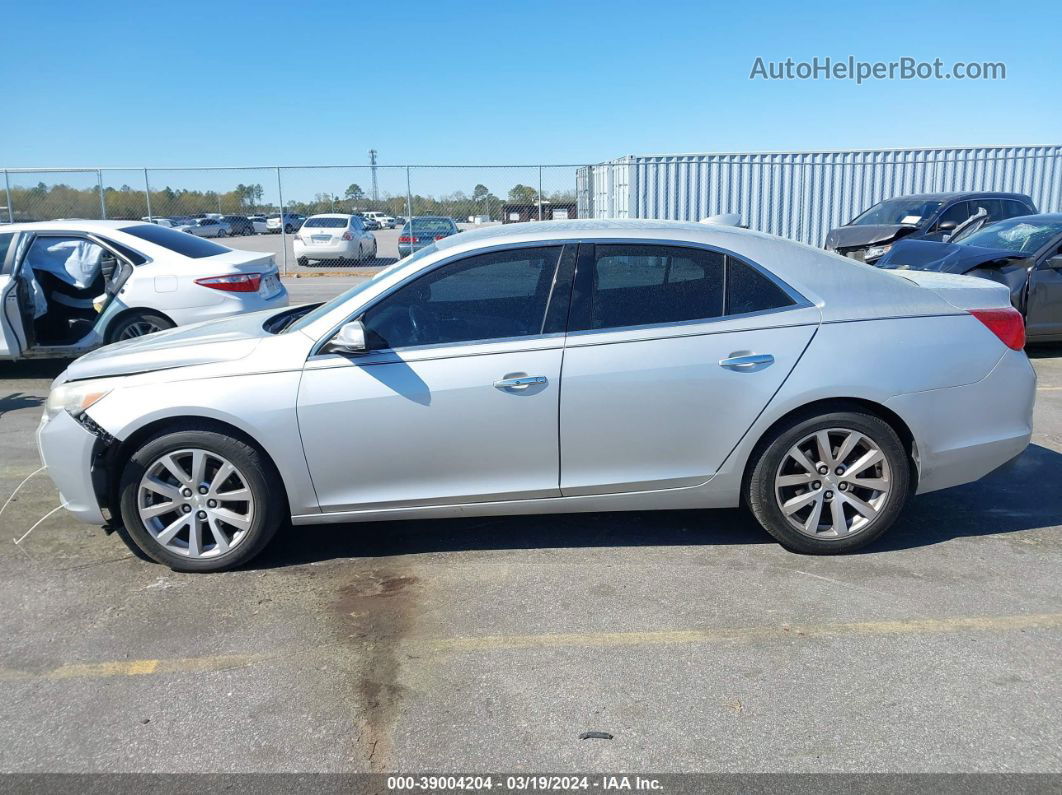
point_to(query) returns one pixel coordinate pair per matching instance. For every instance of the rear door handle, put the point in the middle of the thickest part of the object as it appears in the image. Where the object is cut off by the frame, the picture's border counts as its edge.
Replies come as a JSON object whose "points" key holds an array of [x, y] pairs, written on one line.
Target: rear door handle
{"points": [[746, 361], [522, 382]]}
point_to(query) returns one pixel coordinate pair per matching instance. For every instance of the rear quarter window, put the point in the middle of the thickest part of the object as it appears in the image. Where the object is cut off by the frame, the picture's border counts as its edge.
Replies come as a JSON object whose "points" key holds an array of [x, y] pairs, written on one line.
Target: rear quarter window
{"points": [[748, 290], [176, 241]]}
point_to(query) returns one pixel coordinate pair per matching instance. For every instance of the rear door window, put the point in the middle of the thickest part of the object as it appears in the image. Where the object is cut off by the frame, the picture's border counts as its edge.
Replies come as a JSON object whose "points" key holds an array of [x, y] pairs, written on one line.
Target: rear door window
{"points": [[636, 285]]}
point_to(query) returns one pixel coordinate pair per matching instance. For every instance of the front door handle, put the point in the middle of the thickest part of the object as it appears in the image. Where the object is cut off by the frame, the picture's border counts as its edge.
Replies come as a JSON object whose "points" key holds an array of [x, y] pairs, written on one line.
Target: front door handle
{"points": [[746, 361], [523, 382]]}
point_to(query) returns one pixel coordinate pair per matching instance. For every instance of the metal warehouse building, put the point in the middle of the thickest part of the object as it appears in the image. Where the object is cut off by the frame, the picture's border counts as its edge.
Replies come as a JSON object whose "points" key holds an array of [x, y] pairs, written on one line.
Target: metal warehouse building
{"points": [[802, 195]]}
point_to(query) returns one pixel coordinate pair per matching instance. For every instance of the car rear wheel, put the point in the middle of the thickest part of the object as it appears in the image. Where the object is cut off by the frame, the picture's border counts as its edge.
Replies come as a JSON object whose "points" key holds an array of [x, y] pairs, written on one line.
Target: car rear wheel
{"points": [[288, 228], [303, 262], [138, 324], [248, 231], [200, 501], [829, 484]]}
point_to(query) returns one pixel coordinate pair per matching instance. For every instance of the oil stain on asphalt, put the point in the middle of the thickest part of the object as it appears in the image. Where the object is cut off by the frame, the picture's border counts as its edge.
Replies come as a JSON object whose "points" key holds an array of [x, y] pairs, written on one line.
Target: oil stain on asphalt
{"points": [[375, 614]]}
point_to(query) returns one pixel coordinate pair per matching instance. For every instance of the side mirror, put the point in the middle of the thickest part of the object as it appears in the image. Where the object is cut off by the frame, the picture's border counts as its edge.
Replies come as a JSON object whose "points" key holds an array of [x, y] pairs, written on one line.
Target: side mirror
{"points": [[349, 339], [946, 226], [1055, 263]]}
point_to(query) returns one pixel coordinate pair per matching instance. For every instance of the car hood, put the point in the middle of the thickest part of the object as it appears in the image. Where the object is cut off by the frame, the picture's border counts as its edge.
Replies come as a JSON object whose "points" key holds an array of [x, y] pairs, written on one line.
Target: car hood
{"points": [[865, 235], [201, 343], [927, 255]]}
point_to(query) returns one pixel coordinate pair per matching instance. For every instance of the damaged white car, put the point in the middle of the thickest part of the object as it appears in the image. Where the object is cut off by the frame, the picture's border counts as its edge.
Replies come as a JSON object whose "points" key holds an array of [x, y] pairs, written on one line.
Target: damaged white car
{"points": [[69, 286]]}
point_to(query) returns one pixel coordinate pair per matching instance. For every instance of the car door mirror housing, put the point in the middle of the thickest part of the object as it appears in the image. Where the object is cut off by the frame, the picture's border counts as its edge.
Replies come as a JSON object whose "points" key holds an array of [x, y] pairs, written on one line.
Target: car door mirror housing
{"points": [[1055, 263], [946, 226], [349, 339]]}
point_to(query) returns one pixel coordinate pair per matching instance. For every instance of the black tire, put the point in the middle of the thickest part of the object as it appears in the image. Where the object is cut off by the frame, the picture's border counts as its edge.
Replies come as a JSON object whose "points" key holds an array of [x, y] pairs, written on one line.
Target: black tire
{"points": [[288, 228], [263, 482], [248, 231], [118, 331], [222, 233], [303, 262], [770, 453]]}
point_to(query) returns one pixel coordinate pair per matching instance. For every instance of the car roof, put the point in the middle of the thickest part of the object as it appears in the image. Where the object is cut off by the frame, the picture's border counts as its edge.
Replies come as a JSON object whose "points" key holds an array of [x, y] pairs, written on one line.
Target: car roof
{"points": [[329, 215], [969, 194], [71, 224]]}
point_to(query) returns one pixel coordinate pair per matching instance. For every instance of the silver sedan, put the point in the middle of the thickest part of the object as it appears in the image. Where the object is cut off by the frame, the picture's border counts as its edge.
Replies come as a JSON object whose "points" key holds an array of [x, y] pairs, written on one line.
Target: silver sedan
{"points": [[553, 367]]}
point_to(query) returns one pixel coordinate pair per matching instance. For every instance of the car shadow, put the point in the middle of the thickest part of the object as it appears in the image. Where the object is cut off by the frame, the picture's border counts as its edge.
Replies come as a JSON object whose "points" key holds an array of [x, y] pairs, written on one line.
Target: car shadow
{"points": [[33, 368], [1044, 350], [999, 503], [375, 263]]}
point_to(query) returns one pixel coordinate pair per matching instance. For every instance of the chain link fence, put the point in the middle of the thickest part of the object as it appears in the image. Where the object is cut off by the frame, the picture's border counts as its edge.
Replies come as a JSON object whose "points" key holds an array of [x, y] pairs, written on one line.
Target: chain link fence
{"points": [[246, 197]]}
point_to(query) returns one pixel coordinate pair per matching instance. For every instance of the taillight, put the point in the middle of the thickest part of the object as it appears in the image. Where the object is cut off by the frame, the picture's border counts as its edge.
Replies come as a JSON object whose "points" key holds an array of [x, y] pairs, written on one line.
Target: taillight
{"points": [[348, 236], [236, 283], [408, 239], [439, 237], [1007, 324]]}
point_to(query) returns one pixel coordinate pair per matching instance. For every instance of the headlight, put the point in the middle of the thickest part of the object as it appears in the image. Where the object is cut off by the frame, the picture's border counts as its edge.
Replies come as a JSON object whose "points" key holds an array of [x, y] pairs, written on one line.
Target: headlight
{"points": [[876, 251], [76, 396]]}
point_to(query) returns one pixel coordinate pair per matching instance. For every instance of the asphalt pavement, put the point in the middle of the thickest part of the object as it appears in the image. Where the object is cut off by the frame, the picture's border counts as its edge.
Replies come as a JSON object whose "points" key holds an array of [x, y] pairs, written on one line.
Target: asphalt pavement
{"points": [[491, 644]]}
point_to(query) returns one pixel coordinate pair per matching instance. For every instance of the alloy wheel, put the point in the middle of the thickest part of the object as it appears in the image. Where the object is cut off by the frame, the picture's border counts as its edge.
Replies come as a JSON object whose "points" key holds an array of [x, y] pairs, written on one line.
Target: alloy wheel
{"points": [[139, 329], [195, 503], [833, 483]]}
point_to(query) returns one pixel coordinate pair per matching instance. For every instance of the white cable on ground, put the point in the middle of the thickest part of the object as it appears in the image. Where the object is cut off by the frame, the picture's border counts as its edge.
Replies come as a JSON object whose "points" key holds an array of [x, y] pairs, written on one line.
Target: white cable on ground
{"points": [[19, 486], [53, 510]]}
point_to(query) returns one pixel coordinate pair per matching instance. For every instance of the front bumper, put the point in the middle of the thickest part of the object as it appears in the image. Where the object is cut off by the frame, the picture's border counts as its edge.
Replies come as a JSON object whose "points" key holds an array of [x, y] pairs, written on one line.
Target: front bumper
{"points": [[69, 449]]}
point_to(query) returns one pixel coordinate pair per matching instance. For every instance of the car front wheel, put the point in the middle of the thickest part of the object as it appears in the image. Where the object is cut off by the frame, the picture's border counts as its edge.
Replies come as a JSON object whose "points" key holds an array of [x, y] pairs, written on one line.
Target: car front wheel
{"points": [[829, 484], [200, 501]]}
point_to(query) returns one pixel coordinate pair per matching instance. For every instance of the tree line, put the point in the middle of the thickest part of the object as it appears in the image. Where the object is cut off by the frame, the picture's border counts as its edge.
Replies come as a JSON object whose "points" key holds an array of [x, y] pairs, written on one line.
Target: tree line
{"points": [[45, 202]]}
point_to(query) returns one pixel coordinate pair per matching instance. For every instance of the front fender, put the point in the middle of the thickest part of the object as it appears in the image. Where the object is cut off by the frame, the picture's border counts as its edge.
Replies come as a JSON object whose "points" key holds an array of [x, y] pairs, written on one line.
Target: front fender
{"points": [[261, 405]]}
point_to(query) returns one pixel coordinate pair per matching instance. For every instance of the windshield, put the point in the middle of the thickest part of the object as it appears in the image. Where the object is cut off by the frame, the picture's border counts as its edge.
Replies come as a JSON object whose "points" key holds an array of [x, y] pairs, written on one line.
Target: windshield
{"points": [[329, 223], [911, 212], [343, 297], [1019, 235]]}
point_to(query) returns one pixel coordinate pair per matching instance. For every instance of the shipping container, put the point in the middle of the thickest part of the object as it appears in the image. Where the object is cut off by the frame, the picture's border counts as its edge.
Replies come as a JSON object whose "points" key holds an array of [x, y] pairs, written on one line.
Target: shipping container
{"points": [[802, 195]]}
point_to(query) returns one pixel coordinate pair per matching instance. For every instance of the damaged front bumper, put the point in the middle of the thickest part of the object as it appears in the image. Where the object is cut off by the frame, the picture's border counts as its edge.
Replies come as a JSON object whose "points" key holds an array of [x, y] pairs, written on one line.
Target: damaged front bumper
{"points": [[74, 452]]}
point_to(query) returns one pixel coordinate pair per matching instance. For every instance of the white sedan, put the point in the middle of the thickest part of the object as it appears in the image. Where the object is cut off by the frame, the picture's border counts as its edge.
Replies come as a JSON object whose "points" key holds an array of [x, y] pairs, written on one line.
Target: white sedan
{"points": [[334, 237], [69, 286]]}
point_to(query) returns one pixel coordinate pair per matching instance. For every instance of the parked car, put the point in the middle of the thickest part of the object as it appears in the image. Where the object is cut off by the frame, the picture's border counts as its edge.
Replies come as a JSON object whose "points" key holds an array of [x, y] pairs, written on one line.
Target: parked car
{"points": [[368, 221], [170, 223], [423, 231], [924, 216], [1024, 254], [238, 224], [700, 370], [334, 237], [381, 220], [70, 286], [259, 224], [207, 227], [291, 222]]}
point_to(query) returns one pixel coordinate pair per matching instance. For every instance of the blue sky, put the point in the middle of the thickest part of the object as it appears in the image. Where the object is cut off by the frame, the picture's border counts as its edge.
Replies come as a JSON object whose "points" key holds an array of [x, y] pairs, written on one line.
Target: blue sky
{"points": [[172, 84]]}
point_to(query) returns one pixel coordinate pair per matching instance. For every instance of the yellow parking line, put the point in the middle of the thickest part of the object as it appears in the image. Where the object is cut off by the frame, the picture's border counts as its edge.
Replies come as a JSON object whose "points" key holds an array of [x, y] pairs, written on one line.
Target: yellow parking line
{"points": [[101, 670], [220, 662], [726, 634]]}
